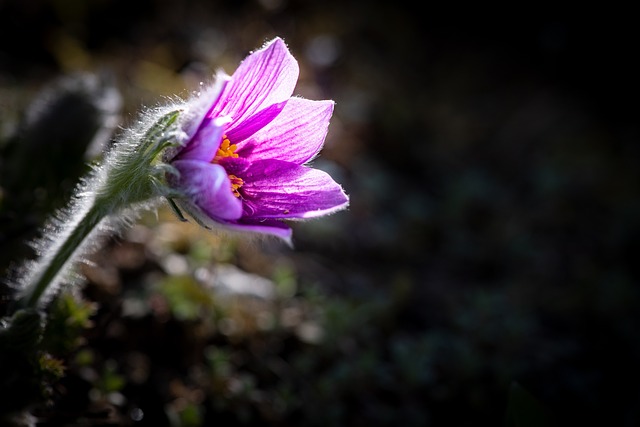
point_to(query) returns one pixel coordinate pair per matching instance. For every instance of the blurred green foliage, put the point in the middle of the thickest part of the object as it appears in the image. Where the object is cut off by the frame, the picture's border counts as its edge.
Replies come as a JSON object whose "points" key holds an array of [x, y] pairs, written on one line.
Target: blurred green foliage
{"points": [[67, 321], [32, 357]]}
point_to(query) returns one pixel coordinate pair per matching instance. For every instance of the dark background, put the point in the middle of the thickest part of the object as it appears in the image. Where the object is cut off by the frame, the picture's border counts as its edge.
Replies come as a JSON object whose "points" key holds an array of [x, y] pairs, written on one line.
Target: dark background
{"points": [[491, 159]]}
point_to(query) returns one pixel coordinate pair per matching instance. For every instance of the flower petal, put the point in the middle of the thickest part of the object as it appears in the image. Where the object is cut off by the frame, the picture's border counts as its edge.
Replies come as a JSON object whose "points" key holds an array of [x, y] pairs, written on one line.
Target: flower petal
{"points": [[209, 188], [278, 189], [244, 130], [296, 135], [200, 106], [205, 142], [266, 77], [234, 165]]}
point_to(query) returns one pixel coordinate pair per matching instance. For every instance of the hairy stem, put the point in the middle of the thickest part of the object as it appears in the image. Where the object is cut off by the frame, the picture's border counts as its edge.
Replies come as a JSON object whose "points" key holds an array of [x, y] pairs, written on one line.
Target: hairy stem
{"points": [[130, 178], [48, 269]]}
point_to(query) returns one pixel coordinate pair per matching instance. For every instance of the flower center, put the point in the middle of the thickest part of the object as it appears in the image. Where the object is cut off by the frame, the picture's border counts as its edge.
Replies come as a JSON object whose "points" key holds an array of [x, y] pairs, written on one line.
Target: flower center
{"points": [[235, 184], [227, 149]]}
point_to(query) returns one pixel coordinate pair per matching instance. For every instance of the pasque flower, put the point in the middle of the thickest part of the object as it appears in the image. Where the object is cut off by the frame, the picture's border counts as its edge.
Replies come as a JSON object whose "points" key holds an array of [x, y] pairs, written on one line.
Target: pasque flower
{"points": [[247, 141], [235, 156]]}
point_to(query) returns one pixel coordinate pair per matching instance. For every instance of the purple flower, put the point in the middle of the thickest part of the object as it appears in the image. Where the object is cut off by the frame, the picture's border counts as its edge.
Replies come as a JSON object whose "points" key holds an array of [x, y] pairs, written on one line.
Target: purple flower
{"points": [[243, 165]]}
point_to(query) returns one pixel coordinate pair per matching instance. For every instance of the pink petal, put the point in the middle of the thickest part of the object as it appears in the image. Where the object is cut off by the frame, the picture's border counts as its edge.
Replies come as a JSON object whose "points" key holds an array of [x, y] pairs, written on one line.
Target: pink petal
{"points": [[244, 130], [205, 142], [266, 77], [201, 105], [296, 135], [209, 188], [278, 189]]}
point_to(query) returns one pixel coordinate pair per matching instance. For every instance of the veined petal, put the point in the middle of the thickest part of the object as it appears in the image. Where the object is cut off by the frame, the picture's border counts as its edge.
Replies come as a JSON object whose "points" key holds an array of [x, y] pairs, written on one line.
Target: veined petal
{"points": [[241, 131], [278, 189], [234, 165], [296, 135], [209, 188], [200, 106], [205, 142], [266, 77]]}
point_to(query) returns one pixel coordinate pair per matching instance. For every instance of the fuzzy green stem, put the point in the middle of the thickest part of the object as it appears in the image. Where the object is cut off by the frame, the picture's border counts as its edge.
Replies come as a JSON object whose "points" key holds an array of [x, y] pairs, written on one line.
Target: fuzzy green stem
{"points": [[130, 177], [63, 255]]}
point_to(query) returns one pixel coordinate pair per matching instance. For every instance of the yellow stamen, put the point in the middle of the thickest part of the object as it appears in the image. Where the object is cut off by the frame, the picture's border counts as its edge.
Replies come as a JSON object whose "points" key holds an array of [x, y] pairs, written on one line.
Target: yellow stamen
{"points": [[227, 149], [235, 184]]}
